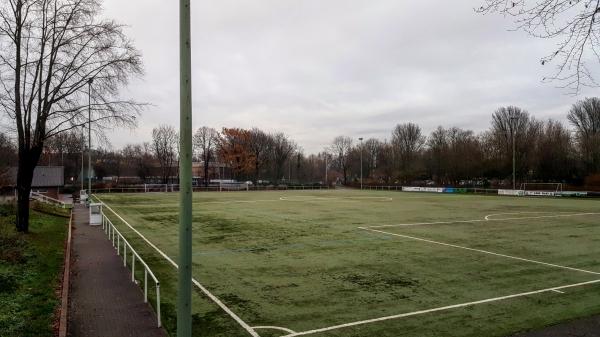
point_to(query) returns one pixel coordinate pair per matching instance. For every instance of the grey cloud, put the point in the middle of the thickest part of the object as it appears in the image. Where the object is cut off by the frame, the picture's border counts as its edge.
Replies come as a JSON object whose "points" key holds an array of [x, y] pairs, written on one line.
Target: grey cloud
{"points": [[317, 69]]}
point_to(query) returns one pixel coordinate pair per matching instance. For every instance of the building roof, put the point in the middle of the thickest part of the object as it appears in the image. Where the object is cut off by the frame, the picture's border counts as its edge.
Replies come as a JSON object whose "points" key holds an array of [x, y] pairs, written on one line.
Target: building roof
{"points": [[44, 176]]}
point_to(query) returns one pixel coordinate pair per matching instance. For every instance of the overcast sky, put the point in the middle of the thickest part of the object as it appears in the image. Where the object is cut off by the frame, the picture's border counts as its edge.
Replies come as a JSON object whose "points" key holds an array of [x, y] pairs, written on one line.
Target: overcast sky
{"points": [[315, 69]]}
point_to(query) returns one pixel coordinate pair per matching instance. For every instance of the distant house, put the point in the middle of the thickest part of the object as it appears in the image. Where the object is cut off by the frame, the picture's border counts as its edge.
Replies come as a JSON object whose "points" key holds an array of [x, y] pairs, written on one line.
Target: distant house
{"points": [[48, 180]]}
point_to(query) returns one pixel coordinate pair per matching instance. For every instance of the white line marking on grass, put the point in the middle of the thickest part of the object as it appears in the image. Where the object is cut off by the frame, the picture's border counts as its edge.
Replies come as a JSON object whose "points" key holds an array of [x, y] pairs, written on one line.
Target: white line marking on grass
{"points": [[238, 201], [485, 219], [300, 199], [421, 312], [481, 251], [202, 288], [271, 327], [558, 291], [489, 216]]}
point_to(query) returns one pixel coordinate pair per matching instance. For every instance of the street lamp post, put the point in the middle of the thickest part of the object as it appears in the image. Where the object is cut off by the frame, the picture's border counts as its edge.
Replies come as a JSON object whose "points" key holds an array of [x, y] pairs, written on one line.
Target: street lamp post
{"points": [[81, 178], [361, 162], [90, 80], [326, 177]]}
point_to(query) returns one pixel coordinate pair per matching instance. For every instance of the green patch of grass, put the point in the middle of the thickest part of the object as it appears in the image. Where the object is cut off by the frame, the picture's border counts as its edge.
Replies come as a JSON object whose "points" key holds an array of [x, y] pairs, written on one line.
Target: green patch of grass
{"points": [[302, 263], [30, 268]]}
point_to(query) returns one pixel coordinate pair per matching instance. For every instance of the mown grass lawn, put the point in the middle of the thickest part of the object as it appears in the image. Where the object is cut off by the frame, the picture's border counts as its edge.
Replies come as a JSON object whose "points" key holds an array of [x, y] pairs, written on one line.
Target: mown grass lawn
{"points": [[30, 270]]}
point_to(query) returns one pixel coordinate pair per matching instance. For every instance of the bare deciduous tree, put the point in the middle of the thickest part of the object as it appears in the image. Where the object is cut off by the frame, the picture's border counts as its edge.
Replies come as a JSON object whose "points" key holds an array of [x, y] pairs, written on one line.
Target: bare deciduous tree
{"points": [[8, 154], [407, 142], [49, 52], [555, 152], [513, 121], [138, 158], [282, 148], [341, 148], [259, 144], [372, 149], [205, 142], [573, 24], [585, 117], [164, 141]]}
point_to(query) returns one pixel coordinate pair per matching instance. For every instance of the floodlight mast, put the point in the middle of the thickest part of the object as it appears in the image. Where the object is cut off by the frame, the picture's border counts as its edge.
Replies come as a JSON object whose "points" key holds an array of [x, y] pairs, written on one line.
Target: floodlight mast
{"points": [[513, 118], [184, 291], [89, 82], [81, 178], [326, 182]]}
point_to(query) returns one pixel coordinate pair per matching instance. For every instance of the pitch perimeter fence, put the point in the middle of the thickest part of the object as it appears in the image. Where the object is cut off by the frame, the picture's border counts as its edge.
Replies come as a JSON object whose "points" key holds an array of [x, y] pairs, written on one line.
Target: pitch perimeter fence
{"points": [[487, 191], [229, 187], [211, 188]]}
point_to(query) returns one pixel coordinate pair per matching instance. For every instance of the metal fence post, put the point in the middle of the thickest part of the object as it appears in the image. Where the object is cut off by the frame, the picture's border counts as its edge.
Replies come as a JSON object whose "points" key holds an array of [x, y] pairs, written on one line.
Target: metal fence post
{"points": [[158, 303], [145, 285], [133, 267]]}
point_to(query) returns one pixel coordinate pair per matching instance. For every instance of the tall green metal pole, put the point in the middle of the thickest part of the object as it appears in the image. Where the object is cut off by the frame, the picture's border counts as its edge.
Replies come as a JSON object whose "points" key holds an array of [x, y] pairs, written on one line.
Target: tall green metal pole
{"points": [[184, 292], [82, 152], [90, 137]]}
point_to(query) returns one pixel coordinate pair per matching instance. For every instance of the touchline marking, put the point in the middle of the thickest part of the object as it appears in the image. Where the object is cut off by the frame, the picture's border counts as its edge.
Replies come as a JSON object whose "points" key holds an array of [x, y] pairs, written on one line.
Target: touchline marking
{"points": [[421, 312], [558, 291], [202, 288], [271, 327], [481, 251], [485, 219]]}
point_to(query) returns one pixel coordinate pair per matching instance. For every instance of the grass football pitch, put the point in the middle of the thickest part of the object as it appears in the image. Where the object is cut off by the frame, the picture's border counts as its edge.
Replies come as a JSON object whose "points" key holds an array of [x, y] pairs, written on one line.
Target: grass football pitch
{"points": [[371, 263]]}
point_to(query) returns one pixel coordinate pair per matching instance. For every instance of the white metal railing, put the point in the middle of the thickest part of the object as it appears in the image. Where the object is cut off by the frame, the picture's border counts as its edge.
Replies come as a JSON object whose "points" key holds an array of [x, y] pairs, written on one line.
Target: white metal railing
{"points": [[46, 199], [119, 240]]}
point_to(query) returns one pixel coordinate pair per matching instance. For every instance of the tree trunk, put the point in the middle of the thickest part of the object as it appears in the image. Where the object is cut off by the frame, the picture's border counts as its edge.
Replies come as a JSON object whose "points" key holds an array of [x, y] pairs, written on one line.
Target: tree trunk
{"points": [[345, 175], [205, 173], [256, 170], [23, 208], [24, 179]]}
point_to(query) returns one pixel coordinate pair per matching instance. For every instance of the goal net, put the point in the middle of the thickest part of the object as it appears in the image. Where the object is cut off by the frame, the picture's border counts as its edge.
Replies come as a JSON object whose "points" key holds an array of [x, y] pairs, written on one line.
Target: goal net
{"points": [[233, 186], [160, 187], [542, 189]]}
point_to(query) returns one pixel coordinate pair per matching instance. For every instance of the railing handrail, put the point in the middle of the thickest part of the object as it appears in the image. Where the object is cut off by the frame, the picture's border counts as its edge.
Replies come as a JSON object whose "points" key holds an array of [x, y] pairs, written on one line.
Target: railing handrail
{"points": [[110, 229], [46, 198], [133, 250]]}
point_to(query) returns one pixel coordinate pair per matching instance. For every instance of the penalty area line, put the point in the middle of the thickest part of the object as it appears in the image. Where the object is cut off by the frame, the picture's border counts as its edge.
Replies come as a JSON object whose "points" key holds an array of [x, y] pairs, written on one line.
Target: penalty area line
{"points": [[427, 311], [241, 322], [272, 327], [481, 251], [485, 219]]}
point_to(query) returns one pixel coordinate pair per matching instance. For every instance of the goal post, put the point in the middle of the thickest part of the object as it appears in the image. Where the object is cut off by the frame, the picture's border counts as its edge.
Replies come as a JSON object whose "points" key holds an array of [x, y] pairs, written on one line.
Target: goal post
{"points": [[233, 186], [156, 188], [542, 189]]}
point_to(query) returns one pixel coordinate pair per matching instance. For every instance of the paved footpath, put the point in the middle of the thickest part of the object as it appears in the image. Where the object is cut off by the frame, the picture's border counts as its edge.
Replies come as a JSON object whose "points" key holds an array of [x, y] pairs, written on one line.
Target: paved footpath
{"points": [[582, 327], [103, 302]]}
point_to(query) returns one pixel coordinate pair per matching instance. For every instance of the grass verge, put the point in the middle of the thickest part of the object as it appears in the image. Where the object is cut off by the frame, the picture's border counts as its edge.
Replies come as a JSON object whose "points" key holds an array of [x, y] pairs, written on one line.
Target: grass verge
{"points": [[30, 268]]}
